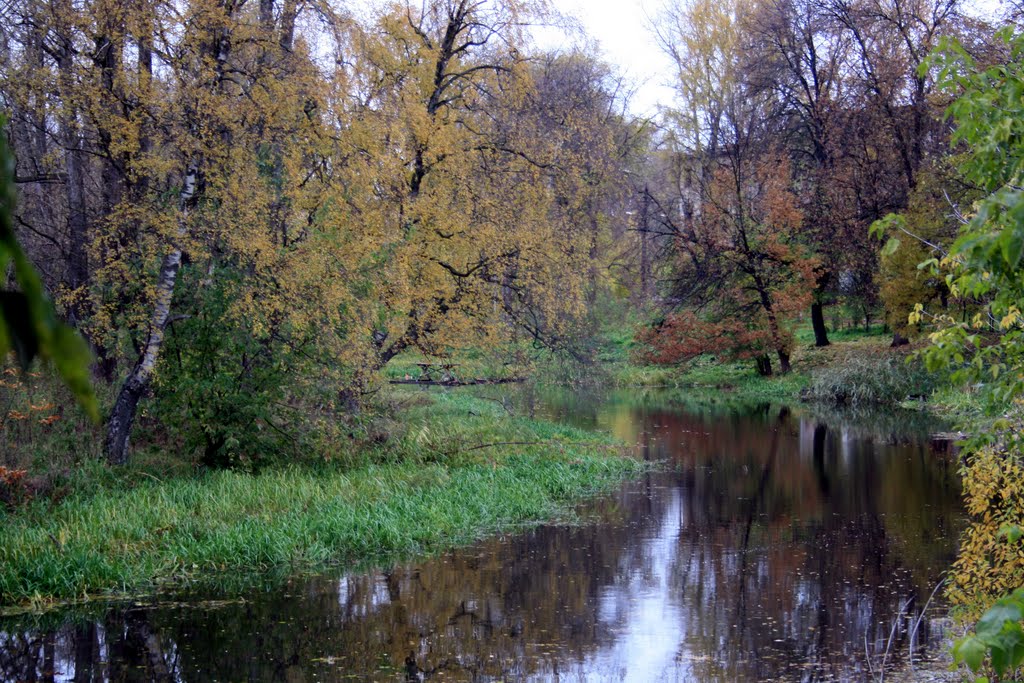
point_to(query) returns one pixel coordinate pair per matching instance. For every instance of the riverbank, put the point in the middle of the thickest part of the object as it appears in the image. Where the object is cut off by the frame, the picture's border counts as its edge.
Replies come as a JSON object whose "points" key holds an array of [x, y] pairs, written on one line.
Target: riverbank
{"points": [[462, 468], [856, 369], [765, 484]]}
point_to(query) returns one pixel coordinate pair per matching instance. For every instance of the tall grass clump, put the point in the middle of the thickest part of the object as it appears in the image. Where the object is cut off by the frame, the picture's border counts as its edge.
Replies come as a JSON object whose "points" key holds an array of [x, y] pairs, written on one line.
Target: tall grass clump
{"points": [[858, 381]]}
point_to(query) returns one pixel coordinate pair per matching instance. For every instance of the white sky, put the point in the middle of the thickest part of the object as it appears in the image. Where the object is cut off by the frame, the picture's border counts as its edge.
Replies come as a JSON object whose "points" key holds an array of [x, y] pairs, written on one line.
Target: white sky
{"points": [[622, 31], [624, 39]]}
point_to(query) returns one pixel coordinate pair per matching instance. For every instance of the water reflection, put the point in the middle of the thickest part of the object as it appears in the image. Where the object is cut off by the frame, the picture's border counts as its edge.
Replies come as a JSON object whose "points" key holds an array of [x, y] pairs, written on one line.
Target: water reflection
{"points": [[773, 547]]}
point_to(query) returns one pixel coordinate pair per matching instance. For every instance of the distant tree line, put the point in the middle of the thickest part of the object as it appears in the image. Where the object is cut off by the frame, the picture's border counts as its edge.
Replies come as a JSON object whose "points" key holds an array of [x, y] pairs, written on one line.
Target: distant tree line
{"points": [[797, 125]]}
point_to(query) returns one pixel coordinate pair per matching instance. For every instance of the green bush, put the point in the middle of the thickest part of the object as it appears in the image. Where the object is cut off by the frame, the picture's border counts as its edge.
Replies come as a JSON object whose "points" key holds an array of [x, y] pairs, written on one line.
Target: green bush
{"points": [[864, 381], [998, 639], [227, 386]]}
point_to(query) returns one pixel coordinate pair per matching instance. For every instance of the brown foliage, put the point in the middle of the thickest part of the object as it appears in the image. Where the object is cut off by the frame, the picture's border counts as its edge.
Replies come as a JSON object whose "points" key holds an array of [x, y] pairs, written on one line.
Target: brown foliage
{"points": [[14, 489]]}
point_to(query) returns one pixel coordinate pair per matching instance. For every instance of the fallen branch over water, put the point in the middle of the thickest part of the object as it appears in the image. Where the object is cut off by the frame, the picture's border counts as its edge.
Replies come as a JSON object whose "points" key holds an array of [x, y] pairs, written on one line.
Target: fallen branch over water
{"points": [[459, 382]]}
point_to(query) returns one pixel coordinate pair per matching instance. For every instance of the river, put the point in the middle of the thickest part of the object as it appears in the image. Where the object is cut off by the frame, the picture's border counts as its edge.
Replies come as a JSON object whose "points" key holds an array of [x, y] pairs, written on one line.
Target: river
{"points": [[772, 543]]}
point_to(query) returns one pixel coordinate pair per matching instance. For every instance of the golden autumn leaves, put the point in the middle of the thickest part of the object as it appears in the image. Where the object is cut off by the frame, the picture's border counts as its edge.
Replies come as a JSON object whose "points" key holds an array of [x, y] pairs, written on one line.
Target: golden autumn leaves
{"points": [[325, 192]]}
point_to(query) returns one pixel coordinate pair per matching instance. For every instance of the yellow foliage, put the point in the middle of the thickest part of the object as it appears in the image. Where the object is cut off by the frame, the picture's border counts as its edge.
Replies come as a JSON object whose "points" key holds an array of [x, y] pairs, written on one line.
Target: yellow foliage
{"points": [[1011, 318], [989, 565], [270, 195]]}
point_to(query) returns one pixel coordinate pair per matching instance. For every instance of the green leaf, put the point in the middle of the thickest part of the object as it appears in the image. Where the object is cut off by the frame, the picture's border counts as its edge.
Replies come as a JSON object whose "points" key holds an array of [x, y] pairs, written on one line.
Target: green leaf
{"points": [[970, 651], [1012, 532], [882, 225], [891, 246], [1000, 660], [991, 623], [1012, 244]]}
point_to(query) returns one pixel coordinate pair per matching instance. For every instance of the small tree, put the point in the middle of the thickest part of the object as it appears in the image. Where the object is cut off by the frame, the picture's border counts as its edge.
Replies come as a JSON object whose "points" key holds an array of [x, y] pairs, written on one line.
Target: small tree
{"points": [[984, 262], [987, 349]]}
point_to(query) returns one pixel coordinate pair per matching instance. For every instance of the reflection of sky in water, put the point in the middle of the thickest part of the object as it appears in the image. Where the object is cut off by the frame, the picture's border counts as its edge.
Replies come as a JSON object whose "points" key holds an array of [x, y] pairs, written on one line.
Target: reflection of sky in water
{"points": [[645, 612]]}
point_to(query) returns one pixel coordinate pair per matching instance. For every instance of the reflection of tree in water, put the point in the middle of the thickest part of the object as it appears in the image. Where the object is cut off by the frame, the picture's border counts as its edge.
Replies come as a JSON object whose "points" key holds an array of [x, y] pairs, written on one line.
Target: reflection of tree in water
{"points": [[511, 608], [774, 544], [122, 646], [790, 555]]}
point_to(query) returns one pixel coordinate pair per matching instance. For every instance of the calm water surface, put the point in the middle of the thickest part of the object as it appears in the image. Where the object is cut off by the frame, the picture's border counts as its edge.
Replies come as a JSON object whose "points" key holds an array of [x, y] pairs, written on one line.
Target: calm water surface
{"points": [[776, 544]]}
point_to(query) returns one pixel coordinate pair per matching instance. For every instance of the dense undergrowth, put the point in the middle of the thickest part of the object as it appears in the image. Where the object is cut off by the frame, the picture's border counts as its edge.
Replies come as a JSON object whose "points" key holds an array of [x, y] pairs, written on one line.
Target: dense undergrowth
{"points": [[456, 468]]}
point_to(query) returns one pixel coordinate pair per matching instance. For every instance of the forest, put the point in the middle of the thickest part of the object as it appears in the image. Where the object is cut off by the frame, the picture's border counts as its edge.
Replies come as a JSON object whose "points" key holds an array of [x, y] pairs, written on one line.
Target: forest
{"points": [[231, 227]]}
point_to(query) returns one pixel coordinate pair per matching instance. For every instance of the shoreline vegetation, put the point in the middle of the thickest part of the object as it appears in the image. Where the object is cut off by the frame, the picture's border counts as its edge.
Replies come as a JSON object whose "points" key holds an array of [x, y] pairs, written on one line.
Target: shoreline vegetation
{"points": [[423, 471], [462, 469], [857, 369]]}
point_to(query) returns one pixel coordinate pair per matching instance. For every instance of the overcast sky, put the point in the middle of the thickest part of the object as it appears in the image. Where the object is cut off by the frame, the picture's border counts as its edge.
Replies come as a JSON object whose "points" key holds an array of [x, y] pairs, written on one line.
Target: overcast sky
{"points": [[621, 30]]}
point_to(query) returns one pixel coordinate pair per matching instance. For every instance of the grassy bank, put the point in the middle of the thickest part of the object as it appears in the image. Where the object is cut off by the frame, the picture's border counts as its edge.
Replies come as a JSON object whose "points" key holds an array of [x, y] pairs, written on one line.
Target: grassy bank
{"points": [[460, 469], [858, 368]]}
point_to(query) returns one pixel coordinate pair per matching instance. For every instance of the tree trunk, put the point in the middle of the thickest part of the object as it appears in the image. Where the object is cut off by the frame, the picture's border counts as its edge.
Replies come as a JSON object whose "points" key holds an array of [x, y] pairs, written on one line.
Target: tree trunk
{"points": [[70, 134], [818, 323], [764, 365], [784, 366], [288, 13], [78, 263], [898, 340], [122, 417], [773, 325]]}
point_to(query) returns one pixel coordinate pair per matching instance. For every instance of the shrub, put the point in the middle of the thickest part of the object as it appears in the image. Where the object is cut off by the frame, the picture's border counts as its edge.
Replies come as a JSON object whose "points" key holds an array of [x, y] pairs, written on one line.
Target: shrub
{"points": [[989, 564], [862, 381], [228, 387]]}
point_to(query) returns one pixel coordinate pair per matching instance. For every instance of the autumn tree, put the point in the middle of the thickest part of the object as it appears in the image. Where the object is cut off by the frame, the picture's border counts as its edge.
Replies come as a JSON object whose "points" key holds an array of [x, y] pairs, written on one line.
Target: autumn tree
{"points": [[487, 186], [740, 264], [217, 106], [794, 58], [924, 232], [250, 208], [741, 272]]}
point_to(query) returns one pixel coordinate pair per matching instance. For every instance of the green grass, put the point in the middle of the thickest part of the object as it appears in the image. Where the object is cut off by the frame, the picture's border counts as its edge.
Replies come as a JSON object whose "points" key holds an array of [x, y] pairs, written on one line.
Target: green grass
{"points": [[434, 487], [624, 374], [742, 379], [706, 376], [866, 380], [961, 405]]}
